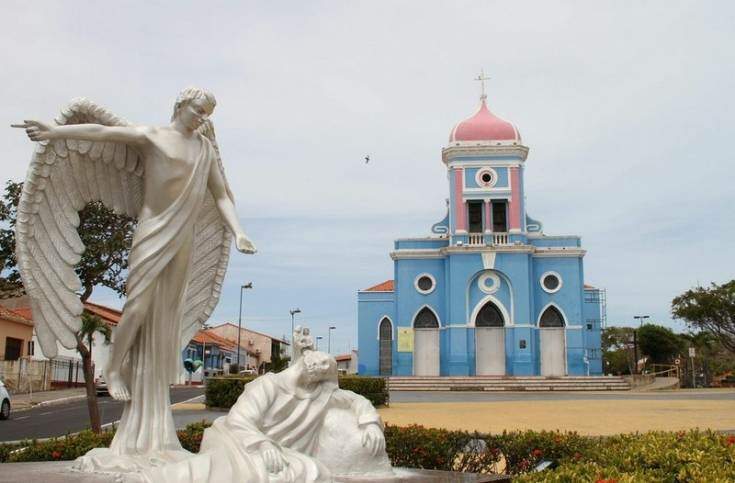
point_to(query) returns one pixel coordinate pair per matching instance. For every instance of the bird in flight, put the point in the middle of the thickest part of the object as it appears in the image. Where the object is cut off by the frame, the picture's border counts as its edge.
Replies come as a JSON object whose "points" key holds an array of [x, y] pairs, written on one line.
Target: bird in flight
{"points": [[367, 159]]}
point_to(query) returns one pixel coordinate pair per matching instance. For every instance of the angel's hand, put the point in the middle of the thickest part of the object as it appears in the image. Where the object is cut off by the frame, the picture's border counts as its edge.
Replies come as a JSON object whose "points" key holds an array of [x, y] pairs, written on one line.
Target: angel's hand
{"points": [[36, 130], [244, 244]]}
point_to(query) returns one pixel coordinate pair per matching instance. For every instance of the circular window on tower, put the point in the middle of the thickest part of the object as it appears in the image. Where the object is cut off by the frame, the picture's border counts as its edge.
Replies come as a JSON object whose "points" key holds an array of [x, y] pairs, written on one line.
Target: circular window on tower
{"points": [[425, 283], [551, 282], [488, 282], [486, 177]]}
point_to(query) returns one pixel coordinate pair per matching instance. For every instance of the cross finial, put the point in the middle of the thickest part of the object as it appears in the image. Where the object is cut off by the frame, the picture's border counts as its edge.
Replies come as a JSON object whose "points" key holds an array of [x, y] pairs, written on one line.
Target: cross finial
{"points": [[482, 78]]}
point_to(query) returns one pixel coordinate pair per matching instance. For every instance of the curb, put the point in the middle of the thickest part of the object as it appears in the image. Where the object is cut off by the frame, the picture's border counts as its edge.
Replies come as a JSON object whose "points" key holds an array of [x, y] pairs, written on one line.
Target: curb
{"points": [[50, 402]]}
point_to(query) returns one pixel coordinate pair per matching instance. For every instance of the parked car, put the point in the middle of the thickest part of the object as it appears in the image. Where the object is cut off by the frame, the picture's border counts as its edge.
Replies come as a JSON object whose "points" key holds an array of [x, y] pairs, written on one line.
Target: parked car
{"points": [[100, 386], [249, 372], [4, 402]]}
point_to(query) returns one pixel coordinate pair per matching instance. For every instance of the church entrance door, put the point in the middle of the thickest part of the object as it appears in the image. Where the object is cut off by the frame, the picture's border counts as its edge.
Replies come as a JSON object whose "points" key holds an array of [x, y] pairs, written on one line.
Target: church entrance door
{"points": [[553, 343], [489, 341], [426, 344]]}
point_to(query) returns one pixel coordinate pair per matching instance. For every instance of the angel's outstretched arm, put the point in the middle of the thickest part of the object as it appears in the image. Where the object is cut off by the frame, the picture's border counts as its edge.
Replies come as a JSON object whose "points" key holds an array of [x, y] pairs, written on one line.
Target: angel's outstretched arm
{"points": [[38, 131], [226, 207]]}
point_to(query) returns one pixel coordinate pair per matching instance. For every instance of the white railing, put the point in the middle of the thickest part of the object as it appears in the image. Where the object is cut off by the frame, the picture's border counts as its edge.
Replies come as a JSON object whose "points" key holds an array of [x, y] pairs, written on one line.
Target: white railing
{"points": [[476, 239], [501, 239]]}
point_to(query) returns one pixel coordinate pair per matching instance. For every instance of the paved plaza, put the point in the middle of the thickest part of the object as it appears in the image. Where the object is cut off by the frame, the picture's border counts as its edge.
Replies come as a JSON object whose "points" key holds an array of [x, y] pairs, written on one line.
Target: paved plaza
{"points": [[601, 413]]}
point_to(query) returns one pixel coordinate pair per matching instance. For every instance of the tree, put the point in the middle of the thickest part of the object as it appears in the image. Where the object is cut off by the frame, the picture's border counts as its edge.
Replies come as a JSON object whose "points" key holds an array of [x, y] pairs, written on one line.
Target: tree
{"points": [[618, 350], [709, 309], [91, 324], [107, 238], [659, 343]]}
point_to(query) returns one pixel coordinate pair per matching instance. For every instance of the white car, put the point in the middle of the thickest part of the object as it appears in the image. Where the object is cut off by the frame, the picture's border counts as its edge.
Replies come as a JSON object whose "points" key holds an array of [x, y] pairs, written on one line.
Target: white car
{"points": [[4, 402]]}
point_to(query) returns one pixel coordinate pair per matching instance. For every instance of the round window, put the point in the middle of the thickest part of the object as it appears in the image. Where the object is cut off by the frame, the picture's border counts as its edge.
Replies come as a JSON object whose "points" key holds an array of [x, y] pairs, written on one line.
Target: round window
{"points": [[551, 282], [425, 283], [486, 177], [489, 282]]}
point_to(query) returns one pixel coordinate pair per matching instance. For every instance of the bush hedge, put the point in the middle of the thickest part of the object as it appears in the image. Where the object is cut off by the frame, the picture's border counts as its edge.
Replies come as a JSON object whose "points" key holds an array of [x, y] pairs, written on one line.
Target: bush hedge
{"points": [[692, 456], [222, 392]]}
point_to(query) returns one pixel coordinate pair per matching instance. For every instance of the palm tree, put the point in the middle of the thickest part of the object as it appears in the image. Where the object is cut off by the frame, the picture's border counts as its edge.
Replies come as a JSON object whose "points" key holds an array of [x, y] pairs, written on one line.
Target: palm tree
{"points": [[85, 337]]}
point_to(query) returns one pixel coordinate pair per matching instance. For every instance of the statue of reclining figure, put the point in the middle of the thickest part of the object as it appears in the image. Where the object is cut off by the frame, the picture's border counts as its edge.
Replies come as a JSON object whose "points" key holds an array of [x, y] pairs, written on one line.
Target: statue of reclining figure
{"points": [[294, 426]]}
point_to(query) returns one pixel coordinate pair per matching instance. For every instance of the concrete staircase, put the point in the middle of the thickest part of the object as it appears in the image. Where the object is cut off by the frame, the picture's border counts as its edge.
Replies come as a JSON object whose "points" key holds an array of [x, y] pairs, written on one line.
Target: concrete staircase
{"points": [[507, 383]]}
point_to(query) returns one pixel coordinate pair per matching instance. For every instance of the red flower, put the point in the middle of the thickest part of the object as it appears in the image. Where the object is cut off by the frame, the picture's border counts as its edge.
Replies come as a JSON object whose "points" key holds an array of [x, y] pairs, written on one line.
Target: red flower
{"points": [[56, 454], [537, 453], [731, 440]]}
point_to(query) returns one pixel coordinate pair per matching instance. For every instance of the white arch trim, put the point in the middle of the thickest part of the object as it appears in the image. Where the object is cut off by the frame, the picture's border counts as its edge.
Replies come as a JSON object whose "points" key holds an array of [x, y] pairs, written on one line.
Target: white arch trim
{"points": [[509, 320], [392, 334], [413, 319], [561, 311], [481, 304]]}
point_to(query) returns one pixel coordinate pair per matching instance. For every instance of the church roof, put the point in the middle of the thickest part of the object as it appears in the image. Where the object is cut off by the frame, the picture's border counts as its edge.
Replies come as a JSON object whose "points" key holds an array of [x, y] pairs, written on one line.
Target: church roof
{"points": [[386, 286], [485, 126]]}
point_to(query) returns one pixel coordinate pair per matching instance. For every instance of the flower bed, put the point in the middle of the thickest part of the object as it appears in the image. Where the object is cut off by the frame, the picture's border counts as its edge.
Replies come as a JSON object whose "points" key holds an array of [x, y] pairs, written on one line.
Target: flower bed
{"points": [[691, 456], [222, 392]]}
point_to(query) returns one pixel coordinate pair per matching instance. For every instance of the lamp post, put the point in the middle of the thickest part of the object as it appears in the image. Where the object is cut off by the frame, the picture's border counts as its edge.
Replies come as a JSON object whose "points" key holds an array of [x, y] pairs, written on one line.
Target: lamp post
{"points": [[318, 338], [293, 312], [329, 339], [640, 319], [239, 324]]}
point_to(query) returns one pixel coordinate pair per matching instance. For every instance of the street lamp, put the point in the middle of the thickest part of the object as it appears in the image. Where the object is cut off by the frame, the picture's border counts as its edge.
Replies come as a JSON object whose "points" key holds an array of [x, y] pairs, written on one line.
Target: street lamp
{"points": [[329, 339], [293, 312], [318, 338], [641, 318], [239, 324]]}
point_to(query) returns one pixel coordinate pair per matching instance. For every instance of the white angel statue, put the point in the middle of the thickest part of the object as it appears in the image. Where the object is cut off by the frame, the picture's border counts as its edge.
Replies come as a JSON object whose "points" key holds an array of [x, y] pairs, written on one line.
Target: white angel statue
{"points": [[170, 178]]}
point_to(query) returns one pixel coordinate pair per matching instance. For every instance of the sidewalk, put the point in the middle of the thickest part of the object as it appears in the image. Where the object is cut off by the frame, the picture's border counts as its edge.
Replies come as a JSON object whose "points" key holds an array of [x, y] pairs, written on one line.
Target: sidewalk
{"points": [[20, 402]]}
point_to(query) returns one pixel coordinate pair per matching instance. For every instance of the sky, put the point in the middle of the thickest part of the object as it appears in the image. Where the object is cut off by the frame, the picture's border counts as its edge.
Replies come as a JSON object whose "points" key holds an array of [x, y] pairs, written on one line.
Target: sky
{"points": [[627, 109]]}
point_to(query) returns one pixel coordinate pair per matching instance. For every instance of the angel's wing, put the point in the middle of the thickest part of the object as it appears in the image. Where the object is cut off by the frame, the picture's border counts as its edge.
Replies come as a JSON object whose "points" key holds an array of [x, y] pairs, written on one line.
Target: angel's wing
{"points": [[63, 177], [211, 252]]}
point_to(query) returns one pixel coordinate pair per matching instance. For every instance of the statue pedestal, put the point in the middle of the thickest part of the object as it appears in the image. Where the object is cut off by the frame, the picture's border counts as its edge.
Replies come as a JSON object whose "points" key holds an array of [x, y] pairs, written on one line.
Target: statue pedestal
{"points": [[59, 472]]}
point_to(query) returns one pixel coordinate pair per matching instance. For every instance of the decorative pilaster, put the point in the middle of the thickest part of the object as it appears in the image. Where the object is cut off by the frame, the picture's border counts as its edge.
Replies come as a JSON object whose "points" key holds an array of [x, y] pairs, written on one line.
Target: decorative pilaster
{"points": [[460, 217], [515, 200]]}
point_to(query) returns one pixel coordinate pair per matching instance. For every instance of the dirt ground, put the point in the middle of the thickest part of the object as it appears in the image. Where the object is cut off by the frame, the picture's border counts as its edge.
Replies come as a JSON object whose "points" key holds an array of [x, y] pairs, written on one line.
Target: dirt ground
{"points": [[590, 417]]}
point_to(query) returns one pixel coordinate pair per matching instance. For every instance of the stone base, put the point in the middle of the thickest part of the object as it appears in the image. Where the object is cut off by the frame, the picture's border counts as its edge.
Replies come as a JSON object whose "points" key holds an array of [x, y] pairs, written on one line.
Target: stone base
{"points": [[59, 472]]}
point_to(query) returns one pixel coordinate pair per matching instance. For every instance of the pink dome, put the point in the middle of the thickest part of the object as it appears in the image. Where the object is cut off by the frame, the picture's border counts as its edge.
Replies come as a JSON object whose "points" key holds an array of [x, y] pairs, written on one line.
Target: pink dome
{"points": [[484, 126]]}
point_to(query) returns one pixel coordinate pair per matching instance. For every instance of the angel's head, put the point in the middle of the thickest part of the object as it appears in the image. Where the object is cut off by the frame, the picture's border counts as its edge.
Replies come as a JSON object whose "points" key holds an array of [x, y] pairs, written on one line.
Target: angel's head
{"points": [[193, 107]]}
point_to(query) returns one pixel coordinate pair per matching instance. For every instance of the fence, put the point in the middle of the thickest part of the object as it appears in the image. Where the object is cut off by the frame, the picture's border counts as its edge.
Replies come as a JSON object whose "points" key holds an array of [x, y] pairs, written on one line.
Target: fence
{"points": [[24, 375]]}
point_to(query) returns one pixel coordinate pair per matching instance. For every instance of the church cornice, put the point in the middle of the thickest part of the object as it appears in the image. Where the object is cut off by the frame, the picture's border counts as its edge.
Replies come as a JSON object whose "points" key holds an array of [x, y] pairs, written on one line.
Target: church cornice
{"points": [[451, 152], [414, 253]]}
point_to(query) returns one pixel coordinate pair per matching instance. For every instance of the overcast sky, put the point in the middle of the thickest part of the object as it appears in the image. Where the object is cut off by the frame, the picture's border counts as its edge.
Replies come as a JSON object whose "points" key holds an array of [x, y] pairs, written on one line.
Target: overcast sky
{"points": [[627, 108]]}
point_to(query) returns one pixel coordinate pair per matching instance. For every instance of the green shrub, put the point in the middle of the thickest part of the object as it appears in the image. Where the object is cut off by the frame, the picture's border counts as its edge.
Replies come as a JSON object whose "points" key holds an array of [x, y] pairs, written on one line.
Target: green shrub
{"points": [[375, 389], [222, 392], [439, 449], [693, 456]]}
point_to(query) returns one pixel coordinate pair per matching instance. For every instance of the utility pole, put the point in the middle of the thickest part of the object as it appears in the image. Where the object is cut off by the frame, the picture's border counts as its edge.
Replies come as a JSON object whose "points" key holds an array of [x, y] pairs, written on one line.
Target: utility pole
{"points": [[329, 339], [239, 324], [640, 319], [292, 312]]}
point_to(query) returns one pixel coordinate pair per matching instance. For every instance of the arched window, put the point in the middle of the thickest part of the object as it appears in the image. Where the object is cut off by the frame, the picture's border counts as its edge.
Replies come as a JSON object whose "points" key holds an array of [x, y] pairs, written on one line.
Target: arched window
{"points": [[489, 316], [551, 318], [386, 347], [425, 319]]}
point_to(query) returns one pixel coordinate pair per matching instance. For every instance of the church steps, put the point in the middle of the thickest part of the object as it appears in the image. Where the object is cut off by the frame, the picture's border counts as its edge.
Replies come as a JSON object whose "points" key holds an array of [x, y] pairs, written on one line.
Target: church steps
{"points": [[500, 383]]}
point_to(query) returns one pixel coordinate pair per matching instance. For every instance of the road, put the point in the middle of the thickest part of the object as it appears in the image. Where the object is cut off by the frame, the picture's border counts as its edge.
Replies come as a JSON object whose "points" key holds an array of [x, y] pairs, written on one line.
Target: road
{"points": [[58, 420], [462, 396]]}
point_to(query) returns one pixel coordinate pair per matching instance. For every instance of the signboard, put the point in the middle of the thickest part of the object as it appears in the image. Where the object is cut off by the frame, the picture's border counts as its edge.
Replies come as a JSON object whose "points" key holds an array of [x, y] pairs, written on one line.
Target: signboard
{"points": [[692, 352], [405, 339]]}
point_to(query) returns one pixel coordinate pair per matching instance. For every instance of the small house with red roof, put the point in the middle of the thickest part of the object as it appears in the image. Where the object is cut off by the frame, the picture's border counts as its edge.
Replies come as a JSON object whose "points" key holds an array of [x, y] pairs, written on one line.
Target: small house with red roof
{"points": [[487, 292]]}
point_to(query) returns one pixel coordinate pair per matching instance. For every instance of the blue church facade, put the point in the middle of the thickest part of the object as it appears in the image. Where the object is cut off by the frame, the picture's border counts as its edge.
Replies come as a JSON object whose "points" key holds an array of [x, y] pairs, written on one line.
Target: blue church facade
{"points": [[487, 293]]}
